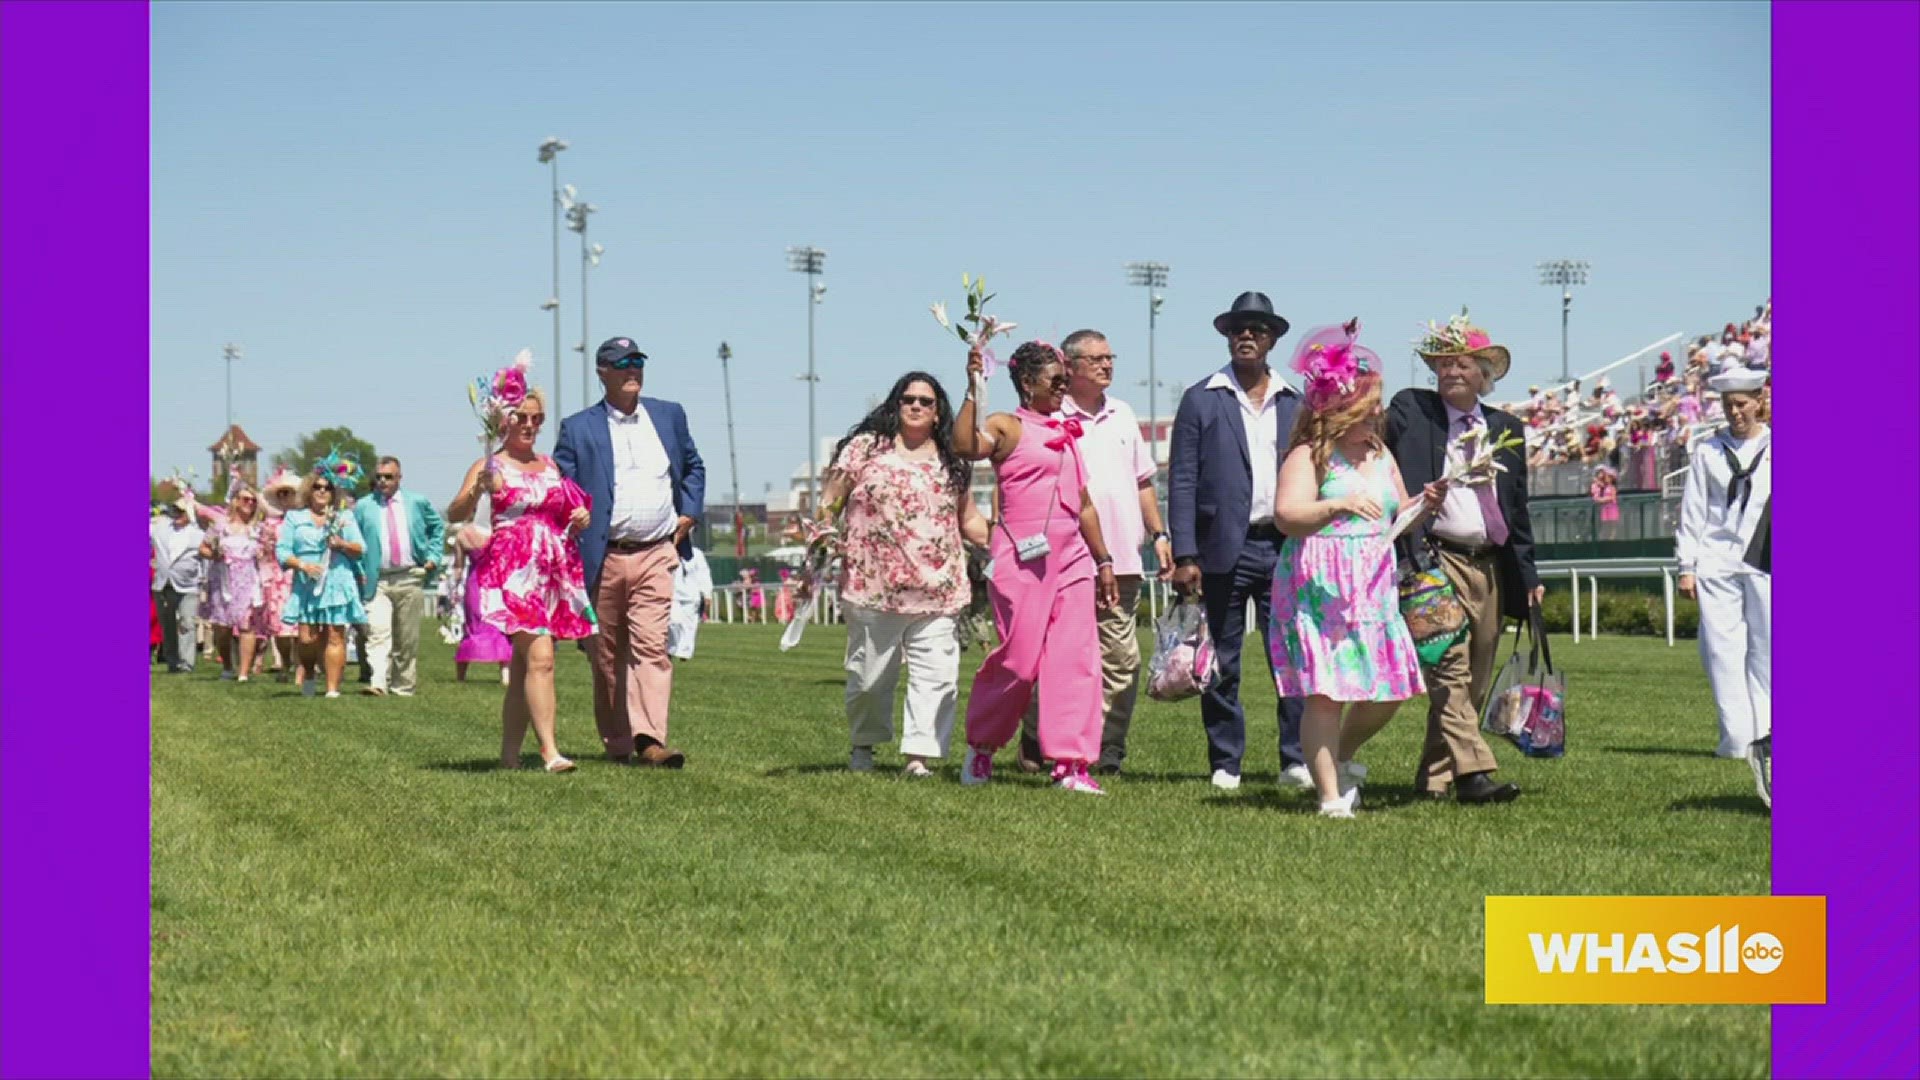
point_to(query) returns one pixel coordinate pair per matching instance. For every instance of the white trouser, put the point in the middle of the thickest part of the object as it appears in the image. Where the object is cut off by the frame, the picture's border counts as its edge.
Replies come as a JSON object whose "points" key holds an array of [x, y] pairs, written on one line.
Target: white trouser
{"points": [[875, 642], [682, 626], [1736, 644]]}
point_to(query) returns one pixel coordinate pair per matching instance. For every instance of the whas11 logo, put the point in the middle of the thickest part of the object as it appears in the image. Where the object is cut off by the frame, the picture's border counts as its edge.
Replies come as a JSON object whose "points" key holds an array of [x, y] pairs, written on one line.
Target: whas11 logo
{"points": [[1716, 952]]}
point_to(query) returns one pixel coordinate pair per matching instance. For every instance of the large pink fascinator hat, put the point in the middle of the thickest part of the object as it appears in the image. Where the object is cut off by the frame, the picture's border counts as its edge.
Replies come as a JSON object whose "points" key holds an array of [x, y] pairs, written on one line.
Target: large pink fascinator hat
{"points": [[1330, 364]]}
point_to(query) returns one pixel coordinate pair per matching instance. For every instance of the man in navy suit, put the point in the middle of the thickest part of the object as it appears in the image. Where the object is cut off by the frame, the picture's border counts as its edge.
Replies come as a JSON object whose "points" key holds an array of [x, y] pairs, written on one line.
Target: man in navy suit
{"points": [[634, 457], [1229, 434]]}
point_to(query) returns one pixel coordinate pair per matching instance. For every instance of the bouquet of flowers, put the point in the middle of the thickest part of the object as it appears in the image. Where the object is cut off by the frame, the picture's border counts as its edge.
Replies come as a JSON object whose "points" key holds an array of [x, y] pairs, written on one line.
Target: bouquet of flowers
{"points": [[985, 327], [1456, 335], [1473, 454], [494, 396], [823, 543], [345, 472]]}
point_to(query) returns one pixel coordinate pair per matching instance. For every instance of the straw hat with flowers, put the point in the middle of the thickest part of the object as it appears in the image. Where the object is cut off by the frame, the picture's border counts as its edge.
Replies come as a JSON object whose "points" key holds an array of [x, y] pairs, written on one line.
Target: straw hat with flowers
{"points": [[1459, 337]]}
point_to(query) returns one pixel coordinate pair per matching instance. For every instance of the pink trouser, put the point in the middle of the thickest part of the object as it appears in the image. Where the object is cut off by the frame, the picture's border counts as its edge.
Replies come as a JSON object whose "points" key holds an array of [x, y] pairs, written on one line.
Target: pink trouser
{"points": [[632, 674], [1049, 637]]}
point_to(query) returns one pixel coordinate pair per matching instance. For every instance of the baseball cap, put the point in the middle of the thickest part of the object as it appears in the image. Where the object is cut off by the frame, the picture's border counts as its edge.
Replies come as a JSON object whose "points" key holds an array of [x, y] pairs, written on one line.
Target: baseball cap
{"points": [[619, 348]]}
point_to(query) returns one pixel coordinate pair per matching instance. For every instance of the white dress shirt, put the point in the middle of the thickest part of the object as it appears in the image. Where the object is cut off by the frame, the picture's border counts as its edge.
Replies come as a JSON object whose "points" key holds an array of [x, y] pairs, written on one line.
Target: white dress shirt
{"points": [[1460, 519], [1118, 462], [177, 555], [1263, 438], [1713, 537], [642, 479]]}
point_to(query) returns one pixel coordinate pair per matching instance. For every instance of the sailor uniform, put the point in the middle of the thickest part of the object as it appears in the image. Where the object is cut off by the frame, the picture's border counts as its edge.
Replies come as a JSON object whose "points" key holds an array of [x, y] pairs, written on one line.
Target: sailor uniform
{"points": [[1729, 487]]}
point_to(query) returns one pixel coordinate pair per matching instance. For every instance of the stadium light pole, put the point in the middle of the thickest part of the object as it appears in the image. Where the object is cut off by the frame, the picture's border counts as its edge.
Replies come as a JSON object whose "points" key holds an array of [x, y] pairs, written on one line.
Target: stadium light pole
{"points": [[1565, 273], [577, 212], [229, 352], [1154, 276], [550, 157], [733, 460], [810, 261]]}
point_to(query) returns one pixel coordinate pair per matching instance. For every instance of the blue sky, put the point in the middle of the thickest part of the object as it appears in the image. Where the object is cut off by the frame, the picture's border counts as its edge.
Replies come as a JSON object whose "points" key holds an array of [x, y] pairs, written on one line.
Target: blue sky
{"points": [[352, 193]]}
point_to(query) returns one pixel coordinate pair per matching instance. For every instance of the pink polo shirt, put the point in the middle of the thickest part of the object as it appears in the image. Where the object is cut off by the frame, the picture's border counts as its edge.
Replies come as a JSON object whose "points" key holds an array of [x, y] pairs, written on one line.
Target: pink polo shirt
{"points": [[1118, 462]]}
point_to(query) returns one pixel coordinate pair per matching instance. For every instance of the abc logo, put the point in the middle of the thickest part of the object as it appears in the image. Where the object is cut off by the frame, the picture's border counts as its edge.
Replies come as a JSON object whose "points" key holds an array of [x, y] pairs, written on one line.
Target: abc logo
{"points": [[1761, 953]]}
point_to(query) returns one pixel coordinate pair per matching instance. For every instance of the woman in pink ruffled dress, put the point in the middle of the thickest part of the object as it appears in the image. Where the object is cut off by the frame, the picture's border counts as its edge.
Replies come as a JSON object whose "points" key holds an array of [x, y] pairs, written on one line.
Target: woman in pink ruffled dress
{"points": [[531, 584], [280, 494]]}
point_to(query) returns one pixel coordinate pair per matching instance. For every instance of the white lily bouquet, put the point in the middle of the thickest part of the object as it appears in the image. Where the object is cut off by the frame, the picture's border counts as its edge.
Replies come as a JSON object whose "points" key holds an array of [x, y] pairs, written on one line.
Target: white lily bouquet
{"points": [[1473, 455], [823, 542], [985, 328]]}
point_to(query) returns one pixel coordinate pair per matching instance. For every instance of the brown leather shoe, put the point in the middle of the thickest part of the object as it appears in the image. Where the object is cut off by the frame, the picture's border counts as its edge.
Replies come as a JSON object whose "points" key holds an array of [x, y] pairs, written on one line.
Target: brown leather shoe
{"points": [[661, 757]]}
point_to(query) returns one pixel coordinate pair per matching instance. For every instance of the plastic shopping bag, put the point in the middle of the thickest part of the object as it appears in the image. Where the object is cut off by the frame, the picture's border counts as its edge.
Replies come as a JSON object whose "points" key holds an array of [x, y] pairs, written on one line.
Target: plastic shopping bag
{"points": [[1183, 663], [1528, 702]]}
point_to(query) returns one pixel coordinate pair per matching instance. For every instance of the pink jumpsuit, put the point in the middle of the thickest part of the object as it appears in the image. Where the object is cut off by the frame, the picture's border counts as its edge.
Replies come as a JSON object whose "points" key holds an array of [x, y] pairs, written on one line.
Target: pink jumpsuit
{"points": [[1043, 609]]}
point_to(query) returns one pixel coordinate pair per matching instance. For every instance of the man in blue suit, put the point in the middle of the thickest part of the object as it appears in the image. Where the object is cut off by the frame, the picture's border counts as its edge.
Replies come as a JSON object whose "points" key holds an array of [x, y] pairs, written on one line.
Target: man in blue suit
{"points": [[1229, 435], [634, 457]]}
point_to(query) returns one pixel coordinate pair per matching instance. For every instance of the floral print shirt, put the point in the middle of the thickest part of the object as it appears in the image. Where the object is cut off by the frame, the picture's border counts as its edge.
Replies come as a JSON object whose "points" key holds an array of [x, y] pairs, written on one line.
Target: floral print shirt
{"points": [[901, 533]]}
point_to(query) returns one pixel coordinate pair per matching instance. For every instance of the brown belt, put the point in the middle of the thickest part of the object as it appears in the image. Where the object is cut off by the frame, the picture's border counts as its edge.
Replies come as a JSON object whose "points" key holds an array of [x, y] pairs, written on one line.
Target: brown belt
{"points": [[628, 547], [1465, 551]]}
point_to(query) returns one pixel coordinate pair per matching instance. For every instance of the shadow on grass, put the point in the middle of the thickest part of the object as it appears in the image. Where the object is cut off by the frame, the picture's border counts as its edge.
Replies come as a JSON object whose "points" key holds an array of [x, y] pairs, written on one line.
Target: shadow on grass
{"points": [[1738, 804], [1658, 751], [471, 765], [1374, 797]]}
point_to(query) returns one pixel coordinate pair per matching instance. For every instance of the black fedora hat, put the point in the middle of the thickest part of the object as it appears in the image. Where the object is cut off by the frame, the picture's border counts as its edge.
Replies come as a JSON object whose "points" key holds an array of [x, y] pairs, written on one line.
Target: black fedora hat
{"points": [[1250, 307]]}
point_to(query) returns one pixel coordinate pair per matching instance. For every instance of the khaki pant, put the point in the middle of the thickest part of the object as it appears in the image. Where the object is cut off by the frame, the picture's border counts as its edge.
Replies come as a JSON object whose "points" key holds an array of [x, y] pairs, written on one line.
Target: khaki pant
{"points": [[393, 630], [632, 673], [1458, 684], [1119, 678]]}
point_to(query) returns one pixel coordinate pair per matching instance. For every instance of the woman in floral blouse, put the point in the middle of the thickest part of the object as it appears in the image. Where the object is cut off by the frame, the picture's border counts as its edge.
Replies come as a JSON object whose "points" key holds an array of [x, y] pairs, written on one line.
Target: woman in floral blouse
{"points": [[903, 573]]}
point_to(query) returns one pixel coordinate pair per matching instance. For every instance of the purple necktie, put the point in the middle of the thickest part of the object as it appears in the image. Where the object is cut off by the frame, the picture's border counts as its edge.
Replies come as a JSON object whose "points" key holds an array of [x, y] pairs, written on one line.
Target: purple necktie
{"points": [[1496, 522]]}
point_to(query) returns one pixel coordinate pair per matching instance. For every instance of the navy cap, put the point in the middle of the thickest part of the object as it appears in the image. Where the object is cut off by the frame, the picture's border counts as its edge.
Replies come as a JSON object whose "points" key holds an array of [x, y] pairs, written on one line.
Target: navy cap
{"points": [[619, 348]]}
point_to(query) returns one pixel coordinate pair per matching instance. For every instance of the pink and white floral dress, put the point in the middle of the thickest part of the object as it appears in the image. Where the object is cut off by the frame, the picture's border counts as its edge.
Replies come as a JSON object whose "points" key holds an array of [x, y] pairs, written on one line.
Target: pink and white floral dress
{"points": [[531, 580]]}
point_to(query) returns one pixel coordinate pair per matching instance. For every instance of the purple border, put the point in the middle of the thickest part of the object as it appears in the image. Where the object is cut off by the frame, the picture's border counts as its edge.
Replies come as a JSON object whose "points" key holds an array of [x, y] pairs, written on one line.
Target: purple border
{"points": [[73, 993], [1845, 170], [73, 779]]}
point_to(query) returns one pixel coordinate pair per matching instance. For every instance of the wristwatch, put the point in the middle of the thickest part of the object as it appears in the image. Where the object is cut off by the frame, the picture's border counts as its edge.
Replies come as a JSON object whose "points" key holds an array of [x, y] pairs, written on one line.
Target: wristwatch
{"points": [[1159, 536]]}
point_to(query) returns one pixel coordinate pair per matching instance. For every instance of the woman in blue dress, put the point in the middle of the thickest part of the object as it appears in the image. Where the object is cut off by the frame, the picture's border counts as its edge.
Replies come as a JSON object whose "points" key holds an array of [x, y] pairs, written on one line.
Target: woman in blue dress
{"points": [[320, 546]]}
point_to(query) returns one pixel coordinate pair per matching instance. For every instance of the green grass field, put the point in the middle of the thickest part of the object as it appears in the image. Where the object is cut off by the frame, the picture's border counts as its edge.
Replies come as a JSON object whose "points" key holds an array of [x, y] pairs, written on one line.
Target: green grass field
{"points": [[350, 888]]}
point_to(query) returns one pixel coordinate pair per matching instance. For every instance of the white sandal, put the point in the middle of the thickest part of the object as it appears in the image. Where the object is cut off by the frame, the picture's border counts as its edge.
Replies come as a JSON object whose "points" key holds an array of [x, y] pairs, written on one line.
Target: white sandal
{"points": [[560, 765]]}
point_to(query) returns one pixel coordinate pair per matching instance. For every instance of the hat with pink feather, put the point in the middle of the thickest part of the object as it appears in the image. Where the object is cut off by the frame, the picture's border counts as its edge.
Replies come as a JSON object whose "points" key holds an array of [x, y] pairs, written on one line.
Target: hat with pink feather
{"points": [[1458, 337], [1330, 364]]}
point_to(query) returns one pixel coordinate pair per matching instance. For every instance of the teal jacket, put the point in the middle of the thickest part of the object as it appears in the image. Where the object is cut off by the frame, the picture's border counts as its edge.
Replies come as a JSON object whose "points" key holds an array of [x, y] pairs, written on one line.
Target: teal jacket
{"points": [[427, 539]]}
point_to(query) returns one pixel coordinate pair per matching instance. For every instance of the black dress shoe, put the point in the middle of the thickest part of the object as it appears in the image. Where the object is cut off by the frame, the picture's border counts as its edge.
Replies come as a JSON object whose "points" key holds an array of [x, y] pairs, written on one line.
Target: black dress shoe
{"points": [[1481, 788]]}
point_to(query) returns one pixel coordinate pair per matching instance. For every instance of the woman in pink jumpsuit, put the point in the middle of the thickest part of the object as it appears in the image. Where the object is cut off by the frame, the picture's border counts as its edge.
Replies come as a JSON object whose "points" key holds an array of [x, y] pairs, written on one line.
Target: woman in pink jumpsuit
{"points": [[1043, 605]]}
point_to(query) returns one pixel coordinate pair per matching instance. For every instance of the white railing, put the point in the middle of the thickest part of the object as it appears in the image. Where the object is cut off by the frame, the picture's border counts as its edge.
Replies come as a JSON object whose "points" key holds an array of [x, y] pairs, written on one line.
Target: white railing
{"points": [[1595, 569], [733, 603]]}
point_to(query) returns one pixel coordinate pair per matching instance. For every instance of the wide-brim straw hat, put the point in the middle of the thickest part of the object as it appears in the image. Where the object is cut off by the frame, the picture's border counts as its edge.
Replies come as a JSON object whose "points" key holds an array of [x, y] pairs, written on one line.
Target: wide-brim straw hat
{"points": [[1497, 355], [1455, 338]]}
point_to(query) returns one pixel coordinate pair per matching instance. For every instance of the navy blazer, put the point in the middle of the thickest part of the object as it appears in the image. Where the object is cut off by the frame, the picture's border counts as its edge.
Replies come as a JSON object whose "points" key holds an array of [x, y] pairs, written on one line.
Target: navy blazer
{"points": [[1417, 435], [585, 456], [1210, 474]]}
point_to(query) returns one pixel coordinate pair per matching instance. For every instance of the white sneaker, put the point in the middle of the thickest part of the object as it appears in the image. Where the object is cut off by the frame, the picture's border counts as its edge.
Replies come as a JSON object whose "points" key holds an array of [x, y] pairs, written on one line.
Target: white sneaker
{"points": [[975, 767], [1295, 776], [333, 693], [1225, 780], [861, 760], [1350, 775], [1341, 807], [1760, 756]]}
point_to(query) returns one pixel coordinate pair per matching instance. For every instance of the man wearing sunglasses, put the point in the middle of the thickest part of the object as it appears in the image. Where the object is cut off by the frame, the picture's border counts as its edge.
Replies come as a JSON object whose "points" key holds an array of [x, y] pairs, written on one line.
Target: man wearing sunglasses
{"points": [[399, 565], [1224, 465], [635, 458]]}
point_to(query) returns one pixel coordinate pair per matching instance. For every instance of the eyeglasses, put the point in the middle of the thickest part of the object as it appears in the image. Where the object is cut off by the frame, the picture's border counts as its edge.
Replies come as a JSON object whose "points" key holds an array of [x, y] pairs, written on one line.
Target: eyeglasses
{"points": [[626, 363], [1059, 382], [921, 400], [1104, 358], [529, 419], [323, 487]]}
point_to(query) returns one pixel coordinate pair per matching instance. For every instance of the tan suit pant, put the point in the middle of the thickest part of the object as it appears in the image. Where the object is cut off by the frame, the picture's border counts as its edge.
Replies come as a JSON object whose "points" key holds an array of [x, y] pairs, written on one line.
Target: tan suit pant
{"points": [[1457, 686]]}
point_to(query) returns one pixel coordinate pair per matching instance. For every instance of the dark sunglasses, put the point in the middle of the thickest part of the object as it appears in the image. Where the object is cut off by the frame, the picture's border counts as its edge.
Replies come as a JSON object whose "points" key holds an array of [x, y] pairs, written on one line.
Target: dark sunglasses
{"points": [[626, 363], [386, 476], [1254, 328], [531, 419], [921, 400], [1059, 382], [323, 487]]}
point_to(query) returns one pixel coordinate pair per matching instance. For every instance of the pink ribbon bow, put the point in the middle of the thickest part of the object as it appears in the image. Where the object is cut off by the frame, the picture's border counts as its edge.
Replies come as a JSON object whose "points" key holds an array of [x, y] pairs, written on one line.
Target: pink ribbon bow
{"points": [[1070, 430]]}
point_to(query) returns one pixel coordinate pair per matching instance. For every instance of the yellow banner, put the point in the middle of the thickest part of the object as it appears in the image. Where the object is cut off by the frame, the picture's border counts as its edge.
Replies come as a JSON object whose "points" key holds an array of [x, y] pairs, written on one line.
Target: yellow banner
{"points": [[1656, 950]]}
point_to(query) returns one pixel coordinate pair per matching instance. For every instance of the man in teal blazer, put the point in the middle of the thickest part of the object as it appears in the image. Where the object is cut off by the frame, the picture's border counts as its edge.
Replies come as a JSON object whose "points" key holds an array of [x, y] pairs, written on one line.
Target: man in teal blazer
{"points": [[405, 538]]}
